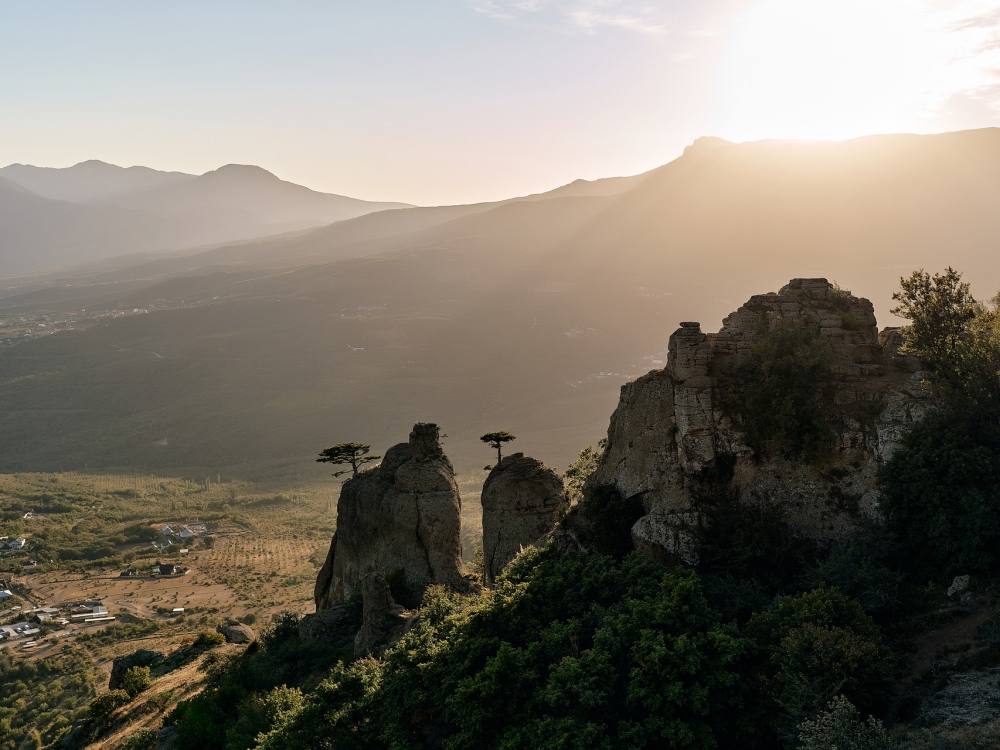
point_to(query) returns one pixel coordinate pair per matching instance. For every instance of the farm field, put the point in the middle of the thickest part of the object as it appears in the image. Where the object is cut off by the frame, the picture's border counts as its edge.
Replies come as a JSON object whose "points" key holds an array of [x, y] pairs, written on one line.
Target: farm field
{"points": [[263, 546]]}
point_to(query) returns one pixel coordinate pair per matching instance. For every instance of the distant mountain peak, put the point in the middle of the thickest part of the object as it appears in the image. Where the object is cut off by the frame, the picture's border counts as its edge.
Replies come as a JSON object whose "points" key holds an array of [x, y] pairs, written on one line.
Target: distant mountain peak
{"points": [[243, 171], [706, 143], [95, 164]]}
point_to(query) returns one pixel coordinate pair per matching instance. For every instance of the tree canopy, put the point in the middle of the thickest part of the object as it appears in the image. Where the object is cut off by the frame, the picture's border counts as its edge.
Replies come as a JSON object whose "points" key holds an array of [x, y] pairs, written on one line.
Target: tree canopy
{"points": [[940, 309], [354, 454], [497, 439]]}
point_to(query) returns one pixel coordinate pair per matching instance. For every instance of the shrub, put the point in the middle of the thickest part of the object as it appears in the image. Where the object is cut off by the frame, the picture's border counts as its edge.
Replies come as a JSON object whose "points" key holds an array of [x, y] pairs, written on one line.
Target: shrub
{"points": [[209, 639], [753, 542], [136, 680], [819, 645], [856, 567], [776, 391], [580, 470], [104, 705], [840, 727], [142, 739], [259, 712], [941, 493]]}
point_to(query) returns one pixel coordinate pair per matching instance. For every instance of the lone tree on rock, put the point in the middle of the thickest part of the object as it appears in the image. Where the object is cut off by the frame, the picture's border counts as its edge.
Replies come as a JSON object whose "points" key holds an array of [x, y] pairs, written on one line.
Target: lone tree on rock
{"points": [[496, 439], [354, 454]]}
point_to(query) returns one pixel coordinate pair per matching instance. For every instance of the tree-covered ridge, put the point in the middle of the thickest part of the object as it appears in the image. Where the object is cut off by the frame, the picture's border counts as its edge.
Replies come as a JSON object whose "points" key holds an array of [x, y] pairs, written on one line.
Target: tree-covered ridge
{"points": [[772, 640]]}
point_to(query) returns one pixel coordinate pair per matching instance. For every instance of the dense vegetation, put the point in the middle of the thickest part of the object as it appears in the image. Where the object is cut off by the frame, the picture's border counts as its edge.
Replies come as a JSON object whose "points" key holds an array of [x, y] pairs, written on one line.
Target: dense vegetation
{"points": [[246, 693], [775, 390], [600, 652], [942, 489], [44, 696]]}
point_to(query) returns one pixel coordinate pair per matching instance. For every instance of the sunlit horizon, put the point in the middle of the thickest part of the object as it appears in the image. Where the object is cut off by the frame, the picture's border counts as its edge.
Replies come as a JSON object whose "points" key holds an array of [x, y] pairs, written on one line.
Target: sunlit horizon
{"points": [[460, 102]]}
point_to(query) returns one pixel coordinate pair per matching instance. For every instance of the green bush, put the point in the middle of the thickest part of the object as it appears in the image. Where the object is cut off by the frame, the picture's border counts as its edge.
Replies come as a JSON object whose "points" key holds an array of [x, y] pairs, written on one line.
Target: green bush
{"points": [[569, 650], [817, 646], [856, 566], [839, 727], [260, 712], [142, 739], [136, 680], [579, 471], [753, 543], [941, 493], [776, 391], [209, 639], [102, 706]]}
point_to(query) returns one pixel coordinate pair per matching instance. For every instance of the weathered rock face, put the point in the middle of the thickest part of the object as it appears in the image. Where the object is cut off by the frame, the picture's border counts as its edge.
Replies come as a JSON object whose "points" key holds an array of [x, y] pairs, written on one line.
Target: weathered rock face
{"points": [[236, 632], [404, 514], [140, 658], [382, 617], [670, 425], [523, 500]]}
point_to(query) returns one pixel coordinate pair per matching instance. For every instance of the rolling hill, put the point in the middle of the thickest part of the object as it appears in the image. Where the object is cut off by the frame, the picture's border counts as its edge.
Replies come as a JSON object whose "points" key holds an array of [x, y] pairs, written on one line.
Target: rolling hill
{"points": [[524, 315]]}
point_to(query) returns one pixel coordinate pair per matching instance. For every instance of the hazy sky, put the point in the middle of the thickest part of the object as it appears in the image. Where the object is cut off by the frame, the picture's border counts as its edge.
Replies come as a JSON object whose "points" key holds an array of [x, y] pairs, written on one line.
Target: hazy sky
{"points": [[460, 100]]}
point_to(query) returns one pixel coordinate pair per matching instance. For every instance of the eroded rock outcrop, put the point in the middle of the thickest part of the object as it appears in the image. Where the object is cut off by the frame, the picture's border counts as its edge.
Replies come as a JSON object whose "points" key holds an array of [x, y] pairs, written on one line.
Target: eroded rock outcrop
{"points": [[671, 426], [402, 515], [523, 500]]}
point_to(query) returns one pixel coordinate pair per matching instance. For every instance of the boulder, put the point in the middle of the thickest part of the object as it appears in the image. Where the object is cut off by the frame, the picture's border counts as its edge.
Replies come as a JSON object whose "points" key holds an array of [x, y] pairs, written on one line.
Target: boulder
{"points": [[673, 438], [382, 617], [522, 500], [400, 517], [959, 585], [236, 632], [122, 664]]}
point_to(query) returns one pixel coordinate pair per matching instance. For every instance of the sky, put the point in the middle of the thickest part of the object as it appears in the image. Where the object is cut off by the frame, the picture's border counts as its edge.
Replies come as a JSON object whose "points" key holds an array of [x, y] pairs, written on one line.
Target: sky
{"points": [[456, 101]]}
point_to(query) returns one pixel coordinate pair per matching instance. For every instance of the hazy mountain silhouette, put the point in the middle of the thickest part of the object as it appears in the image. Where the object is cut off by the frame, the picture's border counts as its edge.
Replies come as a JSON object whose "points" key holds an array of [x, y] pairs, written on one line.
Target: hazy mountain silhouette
{"points": [[253, 192], [96, 210], [523, 315], [89, 181]]}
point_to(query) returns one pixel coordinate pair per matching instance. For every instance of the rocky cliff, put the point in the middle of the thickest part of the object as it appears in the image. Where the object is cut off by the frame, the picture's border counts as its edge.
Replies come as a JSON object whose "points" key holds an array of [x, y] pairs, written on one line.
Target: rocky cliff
{"points": [[676, 431], [523, 500], [403, 515]]}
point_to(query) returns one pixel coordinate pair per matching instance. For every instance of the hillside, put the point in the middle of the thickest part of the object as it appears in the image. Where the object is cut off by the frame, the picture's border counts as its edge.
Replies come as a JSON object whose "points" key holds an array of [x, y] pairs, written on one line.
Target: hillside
{"points": [[526, 315]]}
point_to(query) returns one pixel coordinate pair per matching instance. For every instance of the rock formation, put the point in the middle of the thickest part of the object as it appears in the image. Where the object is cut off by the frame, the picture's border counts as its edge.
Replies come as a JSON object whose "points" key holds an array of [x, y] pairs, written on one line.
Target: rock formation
{"points": [[402, 515], [523, 500], [671, 425], [382, 617], [236, 632]]}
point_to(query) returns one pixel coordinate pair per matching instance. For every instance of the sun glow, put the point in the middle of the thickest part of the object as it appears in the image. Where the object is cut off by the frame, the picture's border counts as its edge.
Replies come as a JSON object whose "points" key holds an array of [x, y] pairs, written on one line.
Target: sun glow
{"points": [[842, 68]]}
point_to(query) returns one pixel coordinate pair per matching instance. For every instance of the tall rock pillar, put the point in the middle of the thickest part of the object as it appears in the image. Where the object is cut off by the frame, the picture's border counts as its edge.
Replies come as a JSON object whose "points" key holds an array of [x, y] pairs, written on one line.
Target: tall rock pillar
{"points": [[402, 515], [523, 500]]}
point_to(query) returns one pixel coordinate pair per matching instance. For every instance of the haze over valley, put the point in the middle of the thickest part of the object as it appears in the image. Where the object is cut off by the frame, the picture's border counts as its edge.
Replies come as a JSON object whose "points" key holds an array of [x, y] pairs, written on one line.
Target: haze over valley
{"points": [[529, 312]]}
